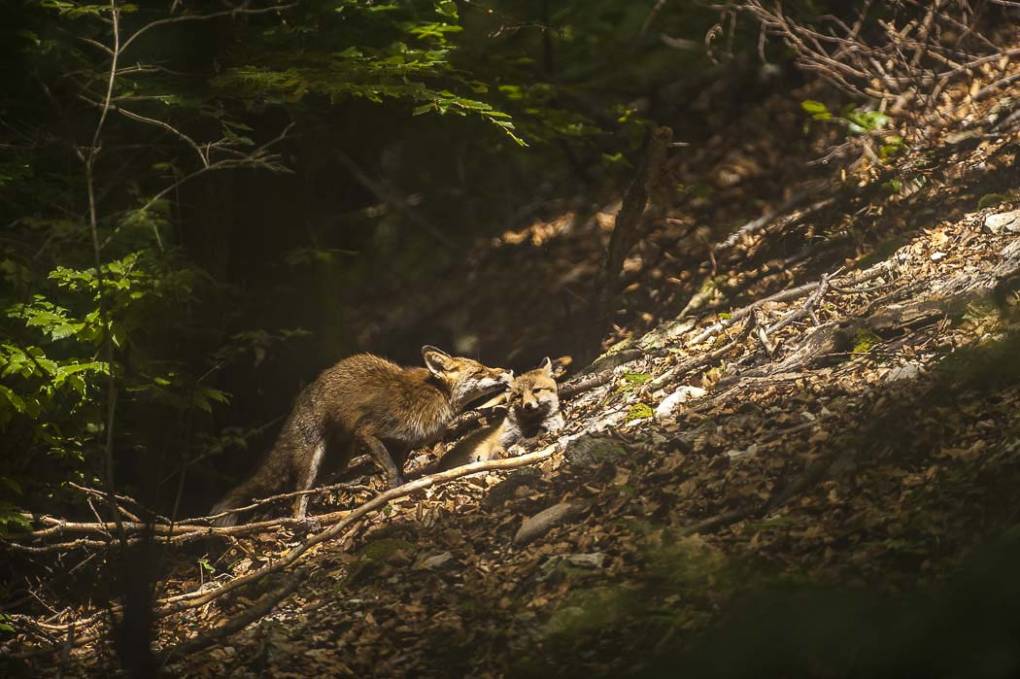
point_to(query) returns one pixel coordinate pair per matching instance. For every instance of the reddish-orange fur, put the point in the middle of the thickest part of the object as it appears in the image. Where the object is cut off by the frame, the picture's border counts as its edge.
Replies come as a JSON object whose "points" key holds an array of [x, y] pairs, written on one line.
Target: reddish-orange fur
{"points": [[533, 408], [367, 402]]}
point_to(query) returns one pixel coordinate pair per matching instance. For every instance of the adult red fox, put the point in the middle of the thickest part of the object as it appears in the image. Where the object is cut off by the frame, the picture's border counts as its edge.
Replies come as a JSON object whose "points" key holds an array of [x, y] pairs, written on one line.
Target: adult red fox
{"points": [[366, 402]]}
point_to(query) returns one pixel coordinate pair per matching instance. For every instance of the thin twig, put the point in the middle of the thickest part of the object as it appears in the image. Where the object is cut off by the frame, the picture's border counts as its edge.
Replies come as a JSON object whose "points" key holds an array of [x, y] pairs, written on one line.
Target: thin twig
{"points": [[104, 311], [235, 11]]}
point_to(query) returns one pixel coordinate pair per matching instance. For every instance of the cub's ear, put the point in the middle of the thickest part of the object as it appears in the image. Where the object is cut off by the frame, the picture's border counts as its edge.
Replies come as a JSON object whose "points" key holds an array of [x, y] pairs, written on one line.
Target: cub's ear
{"points": [[546, 365], [436, 360]]}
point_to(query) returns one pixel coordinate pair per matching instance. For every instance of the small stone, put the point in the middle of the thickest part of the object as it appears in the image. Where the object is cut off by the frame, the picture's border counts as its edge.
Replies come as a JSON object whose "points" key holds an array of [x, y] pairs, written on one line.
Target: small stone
{"points": [[681, 395], [908, 371], [435, 561], [1003, 222], [593, 560], [735, 455], [936, 256]]}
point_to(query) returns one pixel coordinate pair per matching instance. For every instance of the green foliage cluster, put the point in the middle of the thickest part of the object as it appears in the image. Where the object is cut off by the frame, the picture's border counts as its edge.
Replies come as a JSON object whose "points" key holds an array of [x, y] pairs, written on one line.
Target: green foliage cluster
{"points": [[407, 56], [858, 121]]}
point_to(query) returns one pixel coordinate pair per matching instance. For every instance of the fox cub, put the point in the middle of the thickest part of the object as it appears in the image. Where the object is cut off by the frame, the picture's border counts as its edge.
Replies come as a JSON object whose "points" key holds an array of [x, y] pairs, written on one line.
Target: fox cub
{"points": [[533, 409], [366, 402]]}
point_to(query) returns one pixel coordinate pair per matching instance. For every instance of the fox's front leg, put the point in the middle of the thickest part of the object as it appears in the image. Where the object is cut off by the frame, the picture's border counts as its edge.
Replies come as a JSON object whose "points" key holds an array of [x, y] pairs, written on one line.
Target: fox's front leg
{"points": [[382, 456]]}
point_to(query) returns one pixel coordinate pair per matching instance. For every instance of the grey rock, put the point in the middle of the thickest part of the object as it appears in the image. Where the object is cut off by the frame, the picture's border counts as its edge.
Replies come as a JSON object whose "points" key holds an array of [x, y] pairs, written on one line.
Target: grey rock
{"points": [[908, 371], [681, 395], [593, 560], [592, 451], [1003, 222]]}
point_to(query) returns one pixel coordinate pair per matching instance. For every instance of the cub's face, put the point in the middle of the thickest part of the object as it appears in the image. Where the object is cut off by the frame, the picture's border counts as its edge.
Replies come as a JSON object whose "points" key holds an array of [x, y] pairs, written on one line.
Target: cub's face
{"points": [[533, 394]]}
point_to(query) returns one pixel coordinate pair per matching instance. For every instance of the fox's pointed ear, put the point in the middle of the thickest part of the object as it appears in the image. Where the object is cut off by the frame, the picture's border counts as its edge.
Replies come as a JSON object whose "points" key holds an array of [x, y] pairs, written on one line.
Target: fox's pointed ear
{"points": [[546, 365], [435, 359]]}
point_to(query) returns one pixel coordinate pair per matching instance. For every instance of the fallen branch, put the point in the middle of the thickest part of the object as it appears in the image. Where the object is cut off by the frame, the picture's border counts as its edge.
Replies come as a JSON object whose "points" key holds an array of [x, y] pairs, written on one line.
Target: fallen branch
{"points": [[782, 296], [191, 599], [698, 361], [808, 308], [249, 615], [194, 528], [56, 547], [121, 499], [343, 521], [605, 374], [164, 532], [572, 389], [768, 218]]}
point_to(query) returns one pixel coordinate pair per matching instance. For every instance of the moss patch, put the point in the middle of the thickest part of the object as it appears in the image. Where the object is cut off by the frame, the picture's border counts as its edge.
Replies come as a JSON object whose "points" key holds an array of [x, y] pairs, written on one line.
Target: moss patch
{"points": [[639, 411]]}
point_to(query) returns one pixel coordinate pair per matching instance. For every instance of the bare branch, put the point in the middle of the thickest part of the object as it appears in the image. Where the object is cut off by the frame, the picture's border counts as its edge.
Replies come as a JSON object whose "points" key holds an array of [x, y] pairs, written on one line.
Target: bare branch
{"points": [[260, 157], [907, 59], [98, 45], [202, 154], [237, 11]]}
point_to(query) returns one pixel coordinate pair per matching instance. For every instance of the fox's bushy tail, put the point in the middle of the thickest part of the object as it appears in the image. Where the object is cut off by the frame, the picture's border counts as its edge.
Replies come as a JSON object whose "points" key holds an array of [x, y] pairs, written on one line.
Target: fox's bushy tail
{"points": [[238, 497]]}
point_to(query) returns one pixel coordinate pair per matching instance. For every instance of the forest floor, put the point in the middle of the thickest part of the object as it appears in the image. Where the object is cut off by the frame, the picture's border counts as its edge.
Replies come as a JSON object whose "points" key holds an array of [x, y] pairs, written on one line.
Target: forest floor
{"points": [[829, 399]]}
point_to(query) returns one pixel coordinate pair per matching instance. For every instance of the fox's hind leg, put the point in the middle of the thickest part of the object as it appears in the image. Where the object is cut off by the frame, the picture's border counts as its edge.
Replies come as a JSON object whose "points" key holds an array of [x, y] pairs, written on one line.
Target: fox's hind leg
{"points": [[306, 477]]}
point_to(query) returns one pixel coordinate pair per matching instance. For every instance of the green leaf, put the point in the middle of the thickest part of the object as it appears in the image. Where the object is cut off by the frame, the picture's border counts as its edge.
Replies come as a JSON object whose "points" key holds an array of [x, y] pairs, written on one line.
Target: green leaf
{"points": [[817, 109], [860, 121], [13, 399]]}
